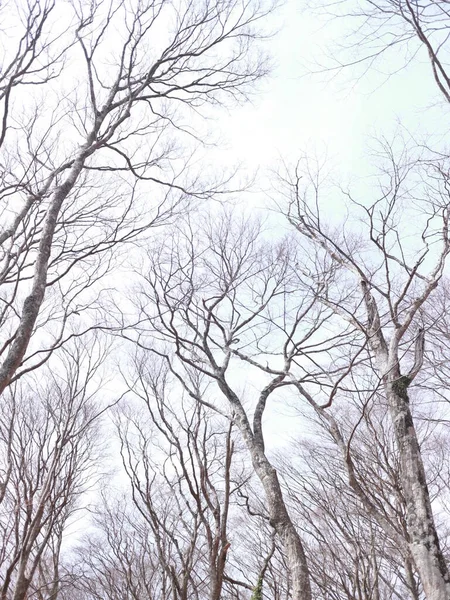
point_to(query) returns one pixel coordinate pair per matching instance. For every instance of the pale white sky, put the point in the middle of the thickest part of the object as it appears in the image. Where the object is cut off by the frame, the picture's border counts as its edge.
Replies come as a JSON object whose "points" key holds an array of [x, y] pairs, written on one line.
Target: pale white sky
{"points": [[295, 112]]}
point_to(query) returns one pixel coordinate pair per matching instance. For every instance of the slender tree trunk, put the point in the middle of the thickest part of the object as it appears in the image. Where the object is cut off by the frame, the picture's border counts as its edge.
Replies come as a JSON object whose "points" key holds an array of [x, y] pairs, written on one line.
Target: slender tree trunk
{"points": [[282, 523], [33, 301], [278, 513]]}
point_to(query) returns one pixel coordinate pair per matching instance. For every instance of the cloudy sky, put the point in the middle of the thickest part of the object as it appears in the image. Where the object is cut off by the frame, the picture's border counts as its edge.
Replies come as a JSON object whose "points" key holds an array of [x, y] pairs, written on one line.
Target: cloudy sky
{"points": [[336, 112]]}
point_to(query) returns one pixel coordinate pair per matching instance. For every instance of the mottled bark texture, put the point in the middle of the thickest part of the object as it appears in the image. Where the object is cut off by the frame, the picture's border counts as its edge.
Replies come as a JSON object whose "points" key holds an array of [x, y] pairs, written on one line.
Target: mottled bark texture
{"points": [[423, 539], [276, 506], [33, 301]]}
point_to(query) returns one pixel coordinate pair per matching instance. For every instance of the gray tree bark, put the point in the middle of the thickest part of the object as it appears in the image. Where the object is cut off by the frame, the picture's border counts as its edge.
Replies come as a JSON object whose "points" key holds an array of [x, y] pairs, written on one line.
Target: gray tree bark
{"points": [[423, 538], [278, 513], [33, 301]]}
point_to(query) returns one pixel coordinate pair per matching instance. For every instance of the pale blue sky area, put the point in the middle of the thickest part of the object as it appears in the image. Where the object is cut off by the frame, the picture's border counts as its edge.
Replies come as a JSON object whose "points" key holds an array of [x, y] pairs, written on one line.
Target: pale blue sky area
{"points": [[335, 111]]}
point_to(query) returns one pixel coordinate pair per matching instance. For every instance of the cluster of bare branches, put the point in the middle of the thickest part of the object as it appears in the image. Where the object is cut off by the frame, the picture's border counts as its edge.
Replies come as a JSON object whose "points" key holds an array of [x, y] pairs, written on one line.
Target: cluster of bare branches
{"points": [[223, 326], [49, 459], [389, 36], [101, 107], [92, 161], [328, 318]]}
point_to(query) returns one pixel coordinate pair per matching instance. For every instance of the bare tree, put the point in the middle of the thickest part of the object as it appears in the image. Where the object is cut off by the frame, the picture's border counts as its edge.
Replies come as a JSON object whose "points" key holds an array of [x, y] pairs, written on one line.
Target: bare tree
{"points": [[222, 299], [388, 283], [80, 161], [117, 559], [49, 432], [194, 467], [176, 539], [29, 58], [351, 555], [49, 578], [394, 33]]}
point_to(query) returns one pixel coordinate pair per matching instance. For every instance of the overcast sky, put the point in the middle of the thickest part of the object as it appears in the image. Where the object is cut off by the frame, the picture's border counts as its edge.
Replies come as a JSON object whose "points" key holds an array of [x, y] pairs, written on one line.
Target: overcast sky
{"points": [[335, 112]]}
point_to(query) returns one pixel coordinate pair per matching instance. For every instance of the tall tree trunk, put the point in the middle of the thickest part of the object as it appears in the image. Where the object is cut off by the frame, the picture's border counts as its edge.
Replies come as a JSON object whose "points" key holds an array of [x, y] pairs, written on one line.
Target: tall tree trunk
{"points": [[285, 529], [278, 513], [423, 539], [32, 303]]}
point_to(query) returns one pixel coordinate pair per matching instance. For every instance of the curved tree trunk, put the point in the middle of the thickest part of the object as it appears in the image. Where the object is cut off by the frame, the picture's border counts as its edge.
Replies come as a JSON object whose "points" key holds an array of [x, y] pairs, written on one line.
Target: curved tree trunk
{"points": [[278, 513], [285, 529]]}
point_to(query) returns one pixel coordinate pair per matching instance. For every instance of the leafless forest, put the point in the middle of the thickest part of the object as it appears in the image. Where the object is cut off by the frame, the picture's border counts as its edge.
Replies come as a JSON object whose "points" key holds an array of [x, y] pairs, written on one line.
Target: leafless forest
{"points": [[201, 401]]}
